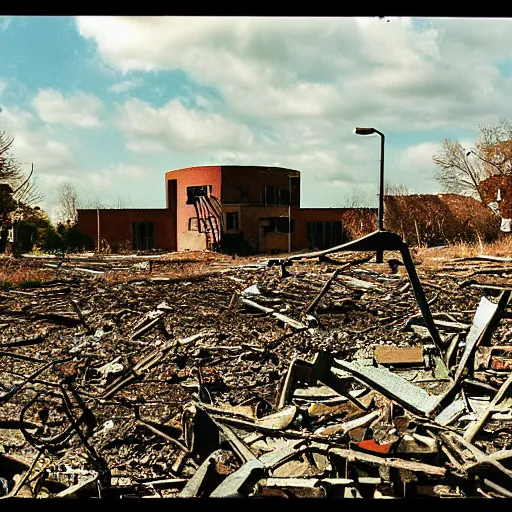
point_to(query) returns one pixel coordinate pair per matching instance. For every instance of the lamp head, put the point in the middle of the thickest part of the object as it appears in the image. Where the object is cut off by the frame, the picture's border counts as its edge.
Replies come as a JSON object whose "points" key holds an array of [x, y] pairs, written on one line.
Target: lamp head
{"points": [[364, 131]]}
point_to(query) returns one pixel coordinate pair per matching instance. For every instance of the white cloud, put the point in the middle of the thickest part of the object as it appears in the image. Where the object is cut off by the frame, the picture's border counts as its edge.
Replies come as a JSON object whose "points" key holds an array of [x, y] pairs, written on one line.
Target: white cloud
{"points": [[415, 168], [79, 109], [292, 90], [35, 143], [113, 174], [437, 74], [126, 85], [174, 127]]}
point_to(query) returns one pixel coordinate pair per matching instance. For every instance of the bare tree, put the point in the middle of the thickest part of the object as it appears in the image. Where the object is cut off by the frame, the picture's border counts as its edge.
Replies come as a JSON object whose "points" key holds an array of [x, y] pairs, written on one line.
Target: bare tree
{"points": [[396, 189], [494, 147], [9, 166], [95, 202], [460, 169], [358, 199], [26, 190], [457, 173], [29, 193], [68, 201]]}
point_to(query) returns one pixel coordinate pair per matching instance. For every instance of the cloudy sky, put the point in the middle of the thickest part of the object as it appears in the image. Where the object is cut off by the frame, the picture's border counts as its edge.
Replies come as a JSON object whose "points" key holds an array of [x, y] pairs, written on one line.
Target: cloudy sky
{"points": [[111, 104]]}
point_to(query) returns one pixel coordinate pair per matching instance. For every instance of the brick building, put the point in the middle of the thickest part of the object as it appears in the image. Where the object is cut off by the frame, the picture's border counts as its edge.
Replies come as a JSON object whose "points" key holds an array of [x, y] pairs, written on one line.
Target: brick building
{"points": [[243, 208]]}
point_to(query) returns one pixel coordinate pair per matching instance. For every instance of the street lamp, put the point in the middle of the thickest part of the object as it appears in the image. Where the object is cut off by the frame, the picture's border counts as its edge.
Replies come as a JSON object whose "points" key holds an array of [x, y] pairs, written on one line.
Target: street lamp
{"points": [[371, 131], [483, 159]]}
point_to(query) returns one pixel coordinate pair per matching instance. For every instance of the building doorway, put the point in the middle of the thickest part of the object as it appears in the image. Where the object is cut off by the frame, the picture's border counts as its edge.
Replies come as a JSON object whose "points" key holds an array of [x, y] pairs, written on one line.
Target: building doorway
{"points": [[143, 236]]}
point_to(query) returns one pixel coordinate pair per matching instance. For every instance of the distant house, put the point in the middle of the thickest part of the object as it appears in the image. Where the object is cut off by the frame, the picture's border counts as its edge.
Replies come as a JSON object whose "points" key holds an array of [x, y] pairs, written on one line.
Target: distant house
{"points": [[245, 208]]}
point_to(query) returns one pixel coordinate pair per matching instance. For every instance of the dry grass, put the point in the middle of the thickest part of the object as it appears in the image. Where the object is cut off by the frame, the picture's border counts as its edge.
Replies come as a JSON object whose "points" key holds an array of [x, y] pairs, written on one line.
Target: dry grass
{"points": [[445, 218], [501, 247], [22, 274], [180, 266]]}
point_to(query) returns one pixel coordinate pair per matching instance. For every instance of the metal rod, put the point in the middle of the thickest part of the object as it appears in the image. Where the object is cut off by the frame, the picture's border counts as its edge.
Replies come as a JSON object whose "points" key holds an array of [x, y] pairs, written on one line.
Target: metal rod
{"points": [[98, 226], [381, 182], [380, 253], [289, 213]]}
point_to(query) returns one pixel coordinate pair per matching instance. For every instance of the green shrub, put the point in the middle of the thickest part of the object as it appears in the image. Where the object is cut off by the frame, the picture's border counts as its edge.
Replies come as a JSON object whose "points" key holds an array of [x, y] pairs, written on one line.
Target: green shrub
{"points": [[73, 240], [48, 239]]}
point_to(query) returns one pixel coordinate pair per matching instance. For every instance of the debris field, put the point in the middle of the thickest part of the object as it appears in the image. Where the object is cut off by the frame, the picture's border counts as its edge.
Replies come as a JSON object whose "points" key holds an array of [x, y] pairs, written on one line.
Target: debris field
{"points": [[214, 377]]}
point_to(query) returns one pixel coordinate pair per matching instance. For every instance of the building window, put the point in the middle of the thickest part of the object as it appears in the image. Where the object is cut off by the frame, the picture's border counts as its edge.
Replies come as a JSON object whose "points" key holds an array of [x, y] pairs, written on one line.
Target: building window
{"points": [[284, 196], [275, 196], [268, 195], [143, 235], [277, 225], [192, 224], [294, 192], [232, 221], [198, 191], [244, 194]]}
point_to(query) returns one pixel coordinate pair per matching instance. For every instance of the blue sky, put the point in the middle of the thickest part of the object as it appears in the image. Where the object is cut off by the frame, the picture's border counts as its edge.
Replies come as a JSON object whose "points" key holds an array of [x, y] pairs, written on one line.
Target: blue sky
{"points": [[112, 103]]}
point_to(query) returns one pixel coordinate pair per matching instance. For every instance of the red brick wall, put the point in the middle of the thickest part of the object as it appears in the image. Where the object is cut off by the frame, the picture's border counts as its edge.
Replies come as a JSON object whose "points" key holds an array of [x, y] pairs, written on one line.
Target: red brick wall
{"points": [[116, 225], [255, 178], [357, 221], [189, 177]]}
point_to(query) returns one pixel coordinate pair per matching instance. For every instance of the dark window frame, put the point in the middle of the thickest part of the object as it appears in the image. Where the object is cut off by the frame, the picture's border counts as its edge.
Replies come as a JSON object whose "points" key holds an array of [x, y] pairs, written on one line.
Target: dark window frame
{"points": [[244, 193], [272, 195], [232, 219], [279, 225], [197, 191]]}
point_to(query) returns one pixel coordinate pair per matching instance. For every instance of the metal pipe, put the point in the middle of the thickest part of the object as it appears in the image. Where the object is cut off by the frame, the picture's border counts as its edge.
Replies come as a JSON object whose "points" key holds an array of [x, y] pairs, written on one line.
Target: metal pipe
{"points": [[381, 182], [289, 213], [98, 222], [379, 257]]}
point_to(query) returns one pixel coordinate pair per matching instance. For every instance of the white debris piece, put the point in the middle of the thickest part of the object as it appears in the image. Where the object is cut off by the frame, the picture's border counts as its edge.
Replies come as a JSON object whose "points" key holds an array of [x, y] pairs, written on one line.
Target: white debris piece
{"points": [[252, 290]]}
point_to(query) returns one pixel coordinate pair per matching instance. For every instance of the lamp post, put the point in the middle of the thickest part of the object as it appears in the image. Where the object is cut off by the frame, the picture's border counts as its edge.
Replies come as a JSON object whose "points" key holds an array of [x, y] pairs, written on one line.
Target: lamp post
{"points": [[289, 213], [483, 159], [371, 131]]}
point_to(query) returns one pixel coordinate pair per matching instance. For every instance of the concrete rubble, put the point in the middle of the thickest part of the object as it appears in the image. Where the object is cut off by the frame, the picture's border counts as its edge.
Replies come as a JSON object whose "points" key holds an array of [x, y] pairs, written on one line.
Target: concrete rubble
{"points": [[147, 379]]}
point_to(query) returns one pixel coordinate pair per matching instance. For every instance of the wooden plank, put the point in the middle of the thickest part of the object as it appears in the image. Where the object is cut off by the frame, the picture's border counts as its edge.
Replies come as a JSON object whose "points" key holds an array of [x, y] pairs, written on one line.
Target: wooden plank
{"points": [[410, 465]]}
